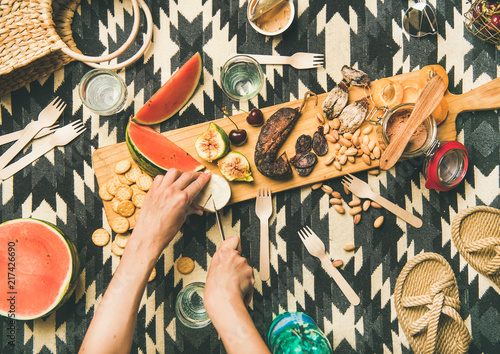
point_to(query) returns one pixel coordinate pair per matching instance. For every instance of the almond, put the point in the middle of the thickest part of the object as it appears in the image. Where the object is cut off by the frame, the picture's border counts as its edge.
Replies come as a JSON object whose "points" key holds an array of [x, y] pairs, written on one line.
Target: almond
{"points": [[354, 202], [366, 159], [355, 210], [339, 208], [345, 142], [343, 159], [320, 118], [337, 165], [351, 159], [338, 263], [377, 152], [329, 160], [316, 185], [336, 194], [366, 205], [365, 149], [348, 136], [326, 128], [378, 222], [335, 201], [346, 190], [376, 205], [367, 130], [374, 172], [357, 133], [349, 248], [330, 138], [337, 146], [327, 189], [335, 123], [351, 151], [357, 219], [335, 134], [371, 145], [355, 141]]}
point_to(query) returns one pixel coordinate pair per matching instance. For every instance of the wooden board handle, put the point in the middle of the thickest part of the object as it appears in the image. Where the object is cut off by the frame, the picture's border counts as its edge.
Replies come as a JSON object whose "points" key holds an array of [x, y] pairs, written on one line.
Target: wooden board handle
{"points": [[481, 98]]}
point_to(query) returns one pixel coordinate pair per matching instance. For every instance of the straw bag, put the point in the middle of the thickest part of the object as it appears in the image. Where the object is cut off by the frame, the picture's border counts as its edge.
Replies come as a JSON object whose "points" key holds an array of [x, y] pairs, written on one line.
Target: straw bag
{"points": [[36, 39]]}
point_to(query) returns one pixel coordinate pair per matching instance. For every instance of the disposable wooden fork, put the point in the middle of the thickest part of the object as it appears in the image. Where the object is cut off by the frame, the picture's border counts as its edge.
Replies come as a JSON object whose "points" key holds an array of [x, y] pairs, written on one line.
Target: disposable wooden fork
{"points": [[362, 190], [298, 60], [316, 248], [264, 209]]}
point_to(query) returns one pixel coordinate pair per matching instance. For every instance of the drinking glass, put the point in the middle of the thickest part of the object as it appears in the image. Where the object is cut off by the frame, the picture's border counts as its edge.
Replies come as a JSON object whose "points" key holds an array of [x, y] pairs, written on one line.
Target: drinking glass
{"points": [[103, 92], [241, 77], [189, 306]]}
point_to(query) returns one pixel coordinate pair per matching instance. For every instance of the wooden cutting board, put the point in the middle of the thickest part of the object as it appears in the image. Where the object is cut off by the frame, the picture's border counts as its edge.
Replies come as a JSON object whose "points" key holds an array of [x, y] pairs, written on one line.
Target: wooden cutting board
{"points": [[104, 159]]}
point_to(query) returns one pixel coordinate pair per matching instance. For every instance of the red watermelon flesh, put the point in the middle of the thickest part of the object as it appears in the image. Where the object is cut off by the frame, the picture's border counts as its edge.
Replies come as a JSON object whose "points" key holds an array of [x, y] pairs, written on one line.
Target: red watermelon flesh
{"points": [[155, 153], [173, 95], [41, 265]]}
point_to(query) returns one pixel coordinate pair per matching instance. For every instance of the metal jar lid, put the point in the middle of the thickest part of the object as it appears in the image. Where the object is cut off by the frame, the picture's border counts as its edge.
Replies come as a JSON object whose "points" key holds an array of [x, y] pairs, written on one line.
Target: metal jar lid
{"points": [[445, 166]]}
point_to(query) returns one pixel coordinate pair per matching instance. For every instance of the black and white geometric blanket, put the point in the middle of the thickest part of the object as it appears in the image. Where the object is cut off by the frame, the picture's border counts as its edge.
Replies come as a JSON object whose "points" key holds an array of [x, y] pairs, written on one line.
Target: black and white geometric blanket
{"points": [[61, 186]]}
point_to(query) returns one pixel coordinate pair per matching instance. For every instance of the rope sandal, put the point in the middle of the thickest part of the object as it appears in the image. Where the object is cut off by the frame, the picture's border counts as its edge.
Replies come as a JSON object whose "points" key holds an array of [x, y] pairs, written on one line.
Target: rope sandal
{"points": [[427, 305], [476, 234]]}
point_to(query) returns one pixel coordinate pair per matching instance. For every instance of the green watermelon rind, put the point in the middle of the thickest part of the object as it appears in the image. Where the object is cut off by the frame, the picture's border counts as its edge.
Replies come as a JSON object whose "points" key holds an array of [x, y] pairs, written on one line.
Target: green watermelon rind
{"points": [[144, 162], [75, 269]]}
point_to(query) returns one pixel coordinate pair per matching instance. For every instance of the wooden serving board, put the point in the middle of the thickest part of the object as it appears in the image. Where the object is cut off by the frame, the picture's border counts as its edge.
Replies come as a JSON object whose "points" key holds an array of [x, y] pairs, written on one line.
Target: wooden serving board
{"points": [[104, 159]]}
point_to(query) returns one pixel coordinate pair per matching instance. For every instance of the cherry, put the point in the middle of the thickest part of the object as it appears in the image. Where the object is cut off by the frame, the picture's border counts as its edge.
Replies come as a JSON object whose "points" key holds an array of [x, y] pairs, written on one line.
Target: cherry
{"points": [[236, 136], [495, 20], [255, 117]]}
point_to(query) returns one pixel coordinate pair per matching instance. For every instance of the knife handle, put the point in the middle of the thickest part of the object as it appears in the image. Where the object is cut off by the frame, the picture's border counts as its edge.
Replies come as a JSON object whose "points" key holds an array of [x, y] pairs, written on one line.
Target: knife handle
{"points": [[25, 161], [340, 280]]}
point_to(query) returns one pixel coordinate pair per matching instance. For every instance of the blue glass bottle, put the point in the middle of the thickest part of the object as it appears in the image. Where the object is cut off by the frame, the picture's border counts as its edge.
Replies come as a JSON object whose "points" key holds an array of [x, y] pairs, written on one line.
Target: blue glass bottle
{"points": [[296, 332]]}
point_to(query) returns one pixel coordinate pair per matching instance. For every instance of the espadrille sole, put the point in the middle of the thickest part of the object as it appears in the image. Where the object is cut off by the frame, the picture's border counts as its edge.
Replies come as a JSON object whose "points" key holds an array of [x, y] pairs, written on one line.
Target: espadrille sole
{"points": [[427, 305], [476, 234]]}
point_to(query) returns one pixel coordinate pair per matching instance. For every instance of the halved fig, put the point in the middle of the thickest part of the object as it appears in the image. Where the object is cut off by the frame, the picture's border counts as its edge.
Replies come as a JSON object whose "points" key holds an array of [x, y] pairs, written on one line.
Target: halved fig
{"points": [[212, 144], [235, 167]]}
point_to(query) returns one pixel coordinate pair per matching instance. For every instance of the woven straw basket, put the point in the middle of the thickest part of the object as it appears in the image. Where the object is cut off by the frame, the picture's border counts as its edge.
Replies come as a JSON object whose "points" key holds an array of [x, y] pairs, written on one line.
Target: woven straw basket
{"points": [[31, 36], [36, 39]]}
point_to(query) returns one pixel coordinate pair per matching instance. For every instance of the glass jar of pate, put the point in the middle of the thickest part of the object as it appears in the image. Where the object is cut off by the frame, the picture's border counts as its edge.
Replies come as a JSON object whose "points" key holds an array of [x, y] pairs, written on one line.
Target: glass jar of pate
{"points": [[445, 164]]}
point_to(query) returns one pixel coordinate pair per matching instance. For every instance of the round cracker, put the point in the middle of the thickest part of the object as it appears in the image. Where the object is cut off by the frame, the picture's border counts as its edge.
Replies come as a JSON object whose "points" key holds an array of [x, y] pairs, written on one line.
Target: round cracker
{"points": [[104, 194], [133, 174], [114, 205], [120, 224], [113, 185], [152, 275], [126, 208], [144, 182], [132, 220], [122, 239], [135, 189], [100, 237], [185, 265], [124, 180], [122, 166], [138, 199], [116, 249], [123, 193]]}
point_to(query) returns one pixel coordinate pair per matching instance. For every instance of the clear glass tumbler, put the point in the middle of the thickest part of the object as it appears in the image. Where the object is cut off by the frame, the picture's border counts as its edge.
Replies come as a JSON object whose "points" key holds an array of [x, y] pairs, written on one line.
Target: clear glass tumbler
{"points": [[103, 92], [241, 77], [189, 306]]}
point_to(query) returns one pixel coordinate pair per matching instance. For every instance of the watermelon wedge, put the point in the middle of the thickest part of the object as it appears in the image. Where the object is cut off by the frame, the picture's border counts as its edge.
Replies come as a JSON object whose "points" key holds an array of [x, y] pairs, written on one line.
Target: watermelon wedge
{"points": [[173, 95], [39, 268], [155, 153]]}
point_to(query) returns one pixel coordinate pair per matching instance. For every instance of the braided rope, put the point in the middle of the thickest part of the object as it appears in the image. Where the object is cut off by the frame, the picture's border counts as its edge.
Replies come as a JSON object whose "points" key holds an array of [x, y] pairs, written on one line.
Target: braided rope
{"points": [[476, 234], [441, 297]]}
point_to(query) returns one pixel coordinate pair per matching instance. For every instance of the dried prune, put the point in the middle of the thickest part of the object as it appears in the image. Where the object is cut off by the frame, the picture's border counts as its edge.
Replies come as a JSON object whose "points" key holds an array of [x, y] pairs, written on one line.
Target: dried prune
{"points": [[303, 144], [320, 145]]}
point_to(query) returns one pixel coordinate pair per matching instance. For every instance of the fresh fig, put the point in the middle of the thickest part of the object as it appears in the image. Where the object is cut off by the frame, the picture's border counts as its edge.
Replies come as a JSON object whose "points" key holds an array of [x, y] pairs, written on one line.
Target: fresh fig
{"points": [[235, 167], [213, 144]]}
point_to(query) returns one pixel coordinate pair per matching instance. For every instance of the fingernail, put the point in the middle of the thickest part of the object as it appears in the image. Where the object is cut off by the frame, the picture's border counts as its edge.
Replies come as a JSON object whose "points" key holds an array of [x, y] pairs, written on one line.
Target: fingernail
{"points": [[207, 171]]}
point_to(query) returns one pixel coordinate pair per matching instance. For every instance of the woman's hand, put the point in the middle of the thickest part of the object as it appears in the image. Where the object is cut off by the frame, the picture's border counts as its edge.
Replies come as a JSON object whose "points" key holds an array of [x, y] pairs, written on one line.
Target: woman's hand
{"points": [[168, 202]]}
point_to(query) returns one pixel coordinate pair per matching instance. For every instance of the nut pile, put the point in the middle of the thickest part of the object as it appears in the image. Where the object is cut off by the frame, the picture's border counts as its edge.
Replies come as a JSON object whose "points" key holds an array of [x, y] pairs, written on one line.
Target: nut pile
{"points": [[355, 206], [347, 147]]}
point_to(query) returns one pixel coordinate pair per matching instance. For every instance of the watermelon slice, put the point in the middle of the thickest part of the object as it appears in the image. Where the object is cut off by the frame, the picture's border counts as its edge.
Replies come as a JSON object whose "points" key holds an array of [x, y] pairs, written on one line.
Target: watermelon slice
{"points": [[39, 268], [173, 95], [155, 153]]}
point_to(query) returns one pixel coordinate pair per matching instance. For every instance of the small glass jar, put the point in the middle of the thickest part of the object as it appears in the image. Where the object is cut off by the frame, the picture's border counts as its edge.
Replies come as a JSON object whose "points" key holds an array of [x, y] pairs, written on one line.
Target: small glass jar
{"points": [[445, 163]]}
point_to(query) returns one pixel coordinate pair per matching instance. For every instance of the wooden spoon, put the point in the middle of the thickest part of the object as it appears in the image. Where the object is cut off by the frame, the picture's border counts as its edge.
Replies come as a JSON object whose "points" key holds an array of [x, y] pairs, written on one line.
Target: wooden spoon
{"points": [[426, 103]]}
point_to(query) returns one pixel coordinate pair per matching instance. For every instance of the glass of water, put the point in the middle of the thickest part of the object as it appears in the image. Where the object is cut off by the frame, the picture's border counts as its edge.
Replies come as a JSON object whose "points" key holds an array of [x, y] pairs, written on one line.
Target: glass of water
{"points": [[241, 77], [189, 306], [103, 92]]}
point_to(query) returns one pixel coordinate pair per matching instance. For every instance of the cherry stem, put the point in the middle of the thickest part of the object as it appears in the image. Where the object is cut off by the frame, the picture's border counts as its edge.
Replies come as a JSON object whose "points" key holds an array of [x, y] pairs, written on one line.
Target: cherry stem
{"points": [[226, 113]]}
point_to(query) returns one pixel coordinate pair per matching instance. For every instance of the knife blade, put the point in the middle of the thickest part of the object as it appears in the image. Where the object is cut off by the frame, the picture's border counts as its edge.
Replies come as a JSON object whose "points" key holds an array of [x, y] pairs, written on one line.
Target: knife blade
{"points": [[217, 216]]}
